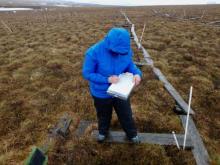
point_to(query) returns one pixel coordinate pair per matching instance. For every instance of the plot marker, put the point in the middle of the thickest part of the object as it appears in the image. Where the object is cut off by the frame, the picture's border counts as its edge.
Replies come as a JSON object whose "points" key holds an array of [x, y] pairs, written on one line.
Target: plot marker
{"points": [[187, 119]]}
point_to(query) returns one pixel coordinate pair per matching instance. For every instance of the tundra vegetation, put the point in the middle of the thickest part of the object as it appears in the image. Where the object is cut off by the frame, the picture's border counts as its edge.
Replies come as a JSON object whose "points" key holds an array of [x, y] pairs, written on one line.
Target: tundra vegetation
{"points": [[41, 56]]}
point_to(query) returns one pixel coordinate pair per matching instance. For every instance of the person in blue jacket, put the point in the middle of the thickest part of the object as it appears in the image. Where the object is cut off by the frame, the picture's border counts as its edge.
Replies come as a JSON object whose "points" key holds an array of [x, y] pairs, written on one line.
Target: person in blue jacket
{"points": [[103, 63]]}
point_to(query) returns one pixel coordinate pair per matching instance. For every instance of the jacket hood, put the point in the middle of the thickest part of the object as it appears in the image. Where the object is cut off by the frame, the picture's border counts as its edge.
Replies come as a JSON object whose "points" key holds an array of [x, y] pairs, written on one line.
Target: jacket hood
{"points": [[118, 40]]}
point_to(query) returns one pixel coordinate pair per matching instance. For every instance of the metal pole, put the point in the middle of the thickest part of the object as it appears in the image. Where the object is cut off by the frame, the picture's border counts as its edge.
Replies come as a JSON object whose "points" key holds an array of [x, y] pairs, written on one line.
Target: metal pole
{"points": [[187, 119]]}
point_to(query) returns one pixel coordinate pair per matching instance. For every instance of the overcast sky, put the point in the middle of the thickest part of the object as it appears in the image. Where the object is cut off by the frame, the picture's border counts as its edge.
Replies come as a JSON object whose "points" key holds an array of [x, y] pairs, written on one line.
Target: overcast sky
{"points": [[148, 2]]}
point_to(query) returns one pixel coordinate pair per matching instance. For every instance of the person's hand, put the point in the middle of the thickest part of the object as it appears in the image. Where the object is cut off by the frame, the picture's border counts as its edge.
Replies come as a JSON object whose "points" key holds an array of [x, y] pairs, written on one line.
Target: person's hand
{"points": [[113, 79], [137, 79]]}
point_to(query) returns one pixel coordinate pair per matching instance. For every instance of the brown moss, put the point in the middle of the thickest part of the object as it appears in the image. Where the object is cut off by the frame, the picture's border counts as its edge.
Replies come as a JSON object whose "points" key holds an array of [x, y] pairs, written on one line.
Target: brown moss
{"points": [[93, 153], [40, 78], [154, 45]]}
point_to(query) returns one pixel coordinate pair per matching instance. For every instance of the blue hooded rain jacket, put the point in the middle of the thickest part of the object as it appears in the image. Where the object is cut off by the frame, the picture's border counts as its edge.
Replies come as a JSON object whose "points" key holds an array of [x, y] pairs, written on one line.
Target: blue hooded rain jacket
{"points": [[110, 56]]}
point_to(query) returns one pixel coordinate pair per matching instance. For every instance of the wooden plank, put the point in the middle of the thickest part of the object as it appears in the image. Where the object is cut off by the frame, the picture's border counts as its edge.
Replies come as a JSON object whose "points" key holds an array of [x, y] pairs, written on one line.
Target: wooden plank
{"points": [[82, 127], [135, 35], [179, 100], [150, 138], [62, 127], [146, 54], [172, 91], [147, 57], [178, 110], [127, 19], [160, 75], [199, 151], [140, 63]]}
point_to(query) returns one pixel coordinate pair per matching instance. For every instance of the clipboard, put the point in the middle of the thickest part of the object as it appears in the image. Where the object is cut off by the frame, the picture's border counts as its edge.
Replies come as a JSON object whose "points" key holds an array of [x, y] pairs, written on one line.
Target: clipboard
{"points": [[123, 88]]}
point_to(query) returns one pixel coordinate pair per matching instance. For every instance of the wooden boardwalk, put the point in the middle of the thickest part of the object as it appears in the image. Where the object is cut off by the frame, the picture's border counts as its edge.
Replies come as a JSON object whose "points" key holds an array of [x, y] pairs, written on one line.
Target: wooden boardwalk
{"points": [[82, 127], [140, 63], [150, 138]]}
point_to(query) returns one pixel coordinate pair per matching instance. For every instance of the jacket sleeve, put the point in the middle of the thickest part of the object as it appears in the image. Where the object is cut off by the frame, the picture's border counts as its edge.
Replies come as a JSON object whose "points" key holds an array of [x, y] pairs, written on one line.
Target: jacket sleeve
{"points": [[89, 66]]}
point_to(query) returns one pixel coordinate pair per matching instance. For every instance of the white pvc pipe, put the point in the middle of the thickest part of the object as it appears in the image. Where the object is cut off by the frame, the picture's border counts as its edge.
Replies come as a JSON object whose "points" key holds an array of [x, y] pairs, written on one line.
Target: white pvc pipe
{"points": [[142, 32], [177, 143], [139, 46], [187, 119]]}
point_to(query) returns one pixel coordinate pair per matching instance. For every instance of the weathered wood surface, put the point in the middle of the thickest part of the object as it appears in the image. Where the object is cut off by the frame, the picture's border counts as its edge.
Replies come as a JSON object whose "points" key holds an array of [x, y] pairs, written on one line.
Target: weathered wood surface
{"points": [[135, 36], [178, 98], [127, 19], [83, 125], [214, 23], [146, 54], [178, 110], [172, 91], [62, 127], [150, 138], [140, 63], [199, 151], [147, 57], [160, 75]]}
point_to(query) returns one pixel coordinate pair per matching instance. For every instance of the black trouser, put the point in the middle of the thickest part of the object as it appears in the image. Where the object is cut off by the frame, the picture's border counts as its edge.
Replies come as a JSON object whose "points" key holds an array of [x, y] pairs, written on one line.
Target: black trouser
{"points": [[122, 108]]}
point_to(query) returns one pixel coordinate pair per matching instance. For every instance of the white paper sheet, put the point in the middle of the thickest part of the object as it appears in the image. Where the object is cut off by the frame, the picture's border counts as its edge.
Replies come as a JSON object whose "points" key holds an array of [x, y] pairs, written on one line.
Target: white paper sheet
{"points": [[123, 88]]}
